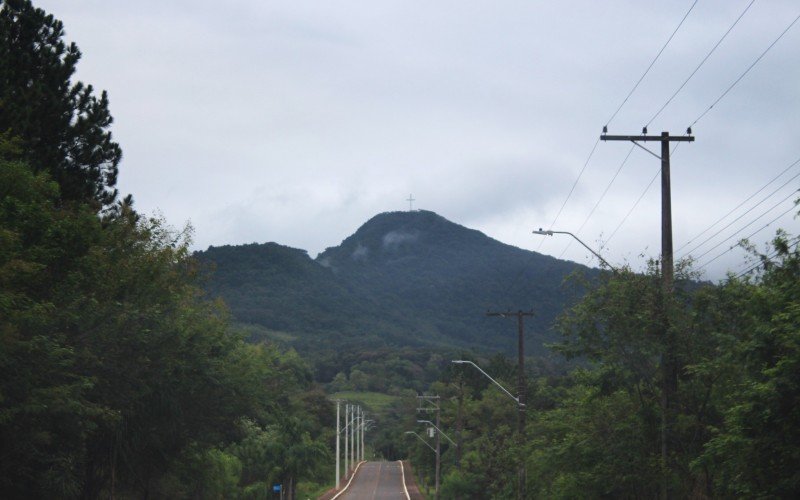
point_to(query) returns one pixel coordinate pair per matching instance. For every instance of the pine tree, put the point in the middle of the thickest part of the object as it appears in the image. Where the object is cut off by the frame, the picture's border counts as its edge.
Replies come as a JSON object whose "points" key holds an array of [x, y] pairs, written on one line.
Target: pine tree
{"points": [[63, 125]]}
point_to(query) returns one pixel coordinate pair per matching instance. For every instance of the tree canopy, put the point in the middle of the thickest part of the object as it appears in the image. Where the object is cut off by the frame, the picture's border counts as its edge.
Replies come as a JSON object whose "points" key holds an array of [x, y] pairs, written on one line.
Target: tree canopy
{"points": [[64, 125], [118, 376]]}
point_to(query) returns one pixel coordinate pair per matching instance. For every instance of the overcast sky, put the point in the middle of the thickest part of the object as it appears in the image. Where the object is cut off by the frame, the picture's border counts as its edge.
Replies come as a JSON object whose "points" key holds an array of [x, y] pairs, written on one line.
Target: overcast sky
{"points": [[297, 121]]}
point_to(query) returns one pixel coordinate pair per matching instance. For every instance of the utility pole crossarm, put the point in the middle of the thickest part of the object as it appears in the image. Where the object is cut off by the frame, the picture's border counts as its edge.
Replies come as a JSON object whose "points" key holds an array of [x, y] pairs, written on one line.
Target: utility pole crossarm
{"points": [[645, 138]]}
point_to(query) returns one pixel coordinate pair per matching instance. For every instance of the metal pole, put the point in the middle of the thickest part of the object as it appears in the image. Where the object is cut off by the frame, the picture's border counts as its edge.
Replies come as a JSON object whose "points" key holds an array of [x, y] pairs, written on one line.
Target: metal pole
{"points": [[357, 440], [350, 432], [438, 453], [361, 438], [459, 423], [353, 441], [338, 437], [363, 430], [346, 437]]}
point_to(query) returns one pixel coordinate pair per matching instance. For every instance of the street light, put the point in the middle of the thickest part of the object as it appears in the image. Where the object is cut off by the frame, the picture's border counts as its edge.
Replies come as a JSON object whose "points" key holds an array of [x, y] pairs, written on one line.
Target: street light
{"points": [[438, 429], [420, 438], [520, 421], [364, 427], [464, 361], [551, 233]]}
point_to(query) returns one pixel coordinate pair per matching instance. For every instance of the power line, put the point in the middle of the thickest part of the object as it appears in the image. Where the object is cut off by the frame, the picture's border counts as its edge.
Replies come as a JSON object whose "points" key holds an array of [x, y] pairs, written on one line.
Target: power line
{"points": [[651, 64], [745, 72], [624, 219], [586, 163], [748, 237], [742, 215], [755, 266], [701, 62], [591, 212], [768, 258], [646, 189], [737, 207], [793, 193], [572, 189]]}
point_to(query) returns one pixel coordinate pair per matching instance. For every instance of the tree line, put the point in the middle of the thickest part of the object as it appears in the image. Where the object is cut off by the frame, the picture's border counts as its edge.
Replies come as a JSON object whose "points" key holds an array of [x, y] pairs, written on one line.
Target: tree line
{"points": [[595, 430], [118, 376]]}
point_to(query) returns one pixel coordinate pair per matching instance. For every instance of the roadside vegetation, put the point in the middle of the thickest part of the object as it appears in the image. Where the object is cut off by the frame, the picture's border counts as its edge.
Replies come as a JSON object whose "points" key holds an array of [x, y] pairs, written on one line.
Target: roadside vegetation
{"points": [[121, 378], [118, 376], [595, 430]]}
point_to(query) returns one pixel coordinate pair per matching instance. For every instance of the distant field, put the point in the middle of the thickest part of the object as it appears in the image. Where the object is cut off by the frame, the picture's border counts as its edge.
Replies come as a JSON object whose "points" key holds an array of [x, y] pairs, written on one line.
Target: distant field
{"points": [[375, 401]]}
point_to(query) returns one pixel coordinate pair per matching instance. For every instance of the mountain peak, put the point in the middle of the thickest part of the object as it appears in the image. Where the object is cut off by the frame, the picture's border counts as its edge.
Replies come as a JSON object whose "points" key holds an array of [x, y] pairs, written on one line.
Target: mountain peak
{"points": [[403, 278], [392, 235]]}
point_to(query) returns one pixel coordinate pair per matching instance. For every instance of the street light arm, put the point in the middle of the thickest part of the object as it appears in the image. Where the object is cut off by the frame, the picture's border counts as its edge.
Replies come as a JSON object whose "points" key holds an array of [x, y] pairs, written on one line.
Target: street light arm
{"points": [[440, 431], [420, 438], [352, 421], [365, 424], [462, 361], [587, 247]]}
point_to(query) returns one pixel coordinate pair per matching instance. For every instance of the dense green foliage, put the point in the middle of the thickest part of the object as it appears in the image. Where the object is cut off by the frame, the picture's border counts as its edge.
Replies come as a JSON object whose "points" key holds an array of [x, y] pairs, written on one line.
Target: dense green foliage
{"points": [[63, 125], [118, 376], [595, 432], [115, 373]]}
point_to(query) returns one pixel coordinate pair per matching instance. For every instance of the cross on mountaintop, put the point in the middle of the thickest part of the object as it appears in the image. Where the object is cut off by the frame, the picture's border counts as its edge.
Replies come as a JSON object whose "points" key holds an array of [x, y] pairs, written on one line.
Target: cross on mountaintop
{"points": [[410, 201]]}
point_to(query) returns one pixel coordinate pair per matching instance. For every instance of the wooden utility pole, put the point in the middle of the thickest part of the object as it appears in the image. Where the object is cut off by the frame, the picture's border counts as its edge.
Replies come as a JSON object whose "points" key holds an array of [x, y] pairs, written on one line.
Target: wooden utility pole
{"points": [[520, 391], [669, 360]]}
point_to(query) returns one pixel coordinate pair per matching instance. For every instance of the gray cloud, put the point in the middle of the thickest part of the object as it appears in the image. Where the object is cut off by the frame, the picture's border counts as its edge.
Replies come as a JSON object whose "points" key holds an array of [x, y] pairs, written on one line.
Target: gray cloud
{"points": [[296, 122], [393, 239], [360, 253]]}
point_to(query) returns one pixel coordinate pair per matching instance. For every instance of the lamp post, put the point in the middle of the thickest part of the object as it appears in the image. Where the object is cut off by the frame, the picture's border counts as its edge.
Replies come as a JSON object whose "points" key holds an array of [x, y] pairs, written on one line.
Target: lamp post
{"points": [[338, 438], [520, 414], [349, 430], [354, 454], [466, 362], [420, 438], [361, 429], [551, 233], [354, 436], [346, 438]]}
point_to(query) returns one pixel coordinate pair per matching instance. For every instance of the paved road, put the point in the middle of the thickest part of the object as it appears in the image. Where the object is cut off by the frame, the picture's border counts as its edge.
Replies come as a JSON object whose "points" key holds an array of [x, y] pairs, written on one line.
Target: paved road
{"points": [[378, 480]]}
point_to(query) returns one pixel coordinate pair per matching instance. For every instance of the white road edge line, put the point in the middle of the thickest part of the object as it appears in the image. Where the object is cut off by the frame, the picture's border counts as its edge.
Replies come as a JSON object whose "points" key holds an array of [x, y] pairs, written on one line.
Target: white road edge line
{"points": [[403, 474], [351, 480]]}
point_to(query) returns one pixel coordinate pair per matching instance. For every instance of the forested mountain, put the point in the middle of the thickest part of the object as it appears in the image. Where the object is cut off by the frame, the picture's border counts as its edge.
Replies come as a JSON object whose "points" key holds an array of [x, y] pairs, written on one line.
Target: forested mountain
{"points": [[119, 378], [403, 279]]}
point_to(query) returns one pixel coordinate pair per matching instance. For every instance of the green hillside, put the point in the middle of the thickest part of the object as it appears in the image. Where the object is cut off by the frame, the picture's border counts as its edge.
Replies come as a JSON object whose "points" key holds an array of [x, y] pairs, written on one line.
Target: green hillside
{"points": [[411, 280]]}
